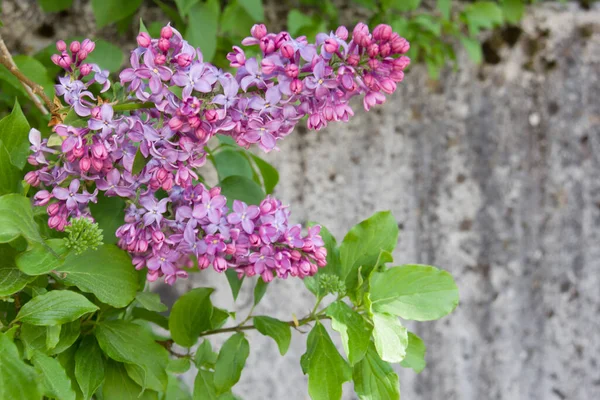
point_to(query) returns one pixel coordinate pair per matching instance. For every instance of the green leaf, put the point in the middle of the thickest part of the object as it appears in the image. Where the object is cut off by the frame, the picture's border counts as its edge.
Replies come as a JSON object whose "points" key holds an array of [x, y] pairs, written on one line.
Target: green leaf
{"points": [[151, 316], [254, 8], [12, 279], [296, 20], [363, 243], [172, 14], [55, 5], [259, 290], [205, 356], [38, 260], [54, 379], [269, 174], [278, 330], [132, 344], [67, 361], [414, 292], [16, 219], [513, 10], [176, 390], [52, 336], [354, 330], [415, 353], [35, 338], [241, 188], [89, 366], [139, 162], [445, 7], [109, 11], [406, 5], [202, 32], [333, 262], [374, 379], [109, 213], [179, 365], [190, 316], [14, 133], [10, 176], [230, 162], [35, 70], [204, 386], [230, 362], [326, 368], [18, 380], [151, 301], [107, 55], [473, 48], [390, 337], [55, 307], [118, 385], [235, 283], [184, 6], [106, 272], [142, 27], [482, 14], [235, 21]]}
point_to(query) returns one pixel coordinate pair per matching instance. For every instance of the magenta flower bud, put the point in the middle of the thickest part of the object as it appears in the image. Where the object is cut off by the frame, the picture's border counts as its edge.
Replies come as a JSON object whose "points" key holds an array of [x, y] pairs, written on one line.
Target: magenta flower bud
{"points": [[54, 222], [42, 197], [291, 70], [399, 44], [175, 124], [230, 249], [82, 55], [85, 69], [267, 45], [61, 45], [373, 98], [296, 86], [162, 174], [388, 86], [237, 57], [382, 32], [397, 76], [353, 59], [401, 63], [268, 66], [370, 81], [85, 164], [152, 276], [55, 58], [144, 40], [138, 262], [342, 32], [220, 264], [88, 46], [329, 113], [258, 31], [315, 122], [32, 178], [160, 59], [331, 45], [203, 262], [158, 236], [211, 115], [99, 151], [78, 151], [183, 60], [254, 240], [373, 50], [166, 32], [360, 35], [374, 64], [97, 163], [194, 121], [287, 51], [53, 209], [214, 191], [65, 60], [75, 46], [163, 44], [141, 246]]}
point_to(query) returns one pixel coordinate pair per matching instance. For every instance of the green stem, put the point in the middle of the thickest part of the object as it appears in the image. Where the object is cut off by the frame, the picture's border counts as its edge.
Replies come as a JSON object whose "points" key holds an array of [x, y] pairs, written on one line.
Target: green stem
{"points": [[301, 322], [132, 106]]}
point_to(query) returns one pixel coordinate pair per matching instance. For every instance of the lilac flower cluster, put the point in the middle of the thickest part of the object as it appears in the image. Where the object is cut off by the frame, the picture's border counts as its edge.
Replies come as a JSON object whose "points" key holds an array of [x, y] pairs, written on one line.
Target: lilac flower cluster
{"points": [[176, 103]]}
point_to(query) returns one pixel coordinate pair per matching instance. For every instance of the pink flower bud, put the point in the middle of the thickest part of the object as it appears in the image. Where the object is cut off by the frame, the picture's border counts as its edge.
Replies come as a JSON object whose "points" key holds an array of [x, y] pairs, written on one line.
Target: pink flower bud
{"points": [[85, 69], [385, 49], [82, 55], [373, 63], [373, 50], [399, 44], [160, 59], [144, 40], [32, 178], [360, 35], [151, 276], [397, 76], [230, 249], [214, 191], [97, 163], [65, 60], [203, 262], [296, 86], [211, 115], [166, 32], [373, 98], [331, 45], [53, 209], [78, 151], [183, 59], [85, 164], [54, 221], [388, 86], [162, 174], [99, 151], [353, 59], [163, 44], [267, 45], [268, 66], [329, 113], [88, 46], [75, 46], [267, 276], [401, 63], [291, 70], [141, 246], [168, 183], [258, 31], [342, 32], [220, 264], [382, 32], [61, 45], [287, 51], [158, 236], [254, 240], [55, 58], [175, 124]]}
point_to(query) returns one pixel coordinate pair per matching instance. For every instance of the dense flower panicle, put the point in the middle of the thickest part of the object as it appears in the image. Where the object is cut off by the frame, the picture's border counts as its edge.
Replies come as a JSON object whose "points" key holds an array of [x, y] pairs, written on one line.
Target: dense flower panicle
{"points": [[190, 102]]}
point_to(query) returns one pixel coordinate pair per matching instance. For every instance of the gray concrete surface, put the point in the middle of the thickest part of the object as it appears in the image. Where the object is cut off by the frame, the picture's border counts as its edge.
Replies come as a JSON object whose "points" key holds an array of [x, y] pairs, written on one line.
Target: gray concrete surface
{"points": [[493, 174]]}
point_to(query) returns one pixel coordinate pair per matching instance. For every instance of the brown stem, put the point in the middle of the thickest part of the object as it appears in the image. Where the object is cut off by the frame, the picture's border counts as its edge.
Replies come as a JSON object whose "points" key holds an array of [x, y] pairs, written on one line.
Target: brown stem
{"points": [[30, 86], [301, 322]]}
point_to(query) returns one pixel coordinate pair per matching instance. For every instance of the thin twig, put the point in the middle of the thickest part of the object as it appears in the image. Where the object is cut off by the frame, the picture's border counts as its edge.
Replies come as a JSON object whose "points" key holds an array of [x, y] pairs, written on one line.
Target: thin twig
{"points": [[301, 322], [31, 87]]}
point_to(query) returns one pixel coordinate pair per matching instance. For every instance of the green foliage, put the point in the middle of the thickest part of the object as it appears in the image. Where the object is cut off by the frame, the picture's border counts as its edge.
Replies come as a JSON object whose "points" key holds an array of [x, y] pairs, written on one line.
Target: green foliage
{"points": [[18, 380], [241, 188], [89, 366], [415, 353], [203, 27], [190, 316], [109, 11], [278, 330], [390, 337], [230, 362], [83, 234], [55, 5], [55, 382], [352, 327], [14, 131], [374, 379], [55, 307]]}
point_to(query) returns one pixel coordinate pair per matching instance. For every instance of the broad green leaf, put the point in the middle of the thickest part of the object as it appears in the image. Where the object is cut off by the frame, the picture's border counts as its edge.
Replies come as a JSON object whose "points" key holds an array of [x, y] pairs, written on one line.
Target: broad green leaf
{"points": [[229, 162], [106, 272], [38, 260], [230, 362], [390, 337], [278, 330], [205, 356], [67, 360], [445, 7], [107, 55], [259, 290], [204, 386], [109, 213], [18, 381], [202, 32], [513, 10], [363, 243], [118, 385], [151, 301], [12, 279], [52, 336], [179, 365], [171, 13], [374, 379], [333, 262], [415, 353], [223, 139], [414, 292], [109, 11], [55, 307], [269, 174], [235, 21], [151, 316], [184, 6], [473, 48], [151, 376], [16, 219], [35, 70], [296, 20], [14, 133], [235, 283], [190, 316], [89, 366], [35, 338], [218, 318], [176, 390], [241, 188], [326, 368], [352, 327], [132, 344], [482, 14], [10, 176], [254, 8], [54, 379], [55, 5]]}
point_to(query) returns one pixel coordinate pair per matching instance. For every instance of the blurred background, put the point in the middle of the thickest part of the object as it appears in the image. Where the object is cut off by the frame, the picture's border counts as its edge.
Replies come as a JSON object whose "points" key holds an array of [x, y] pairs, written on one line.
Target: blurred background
{"points": [[488, 156]]}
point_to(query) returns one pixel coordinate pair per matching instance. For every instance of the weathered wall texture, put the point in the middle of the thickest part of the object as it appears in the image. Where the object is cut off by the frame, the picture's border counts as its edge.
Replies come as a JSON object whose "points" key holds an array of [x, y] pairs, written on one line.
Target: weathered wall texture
{"points": [[493, 174]]}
